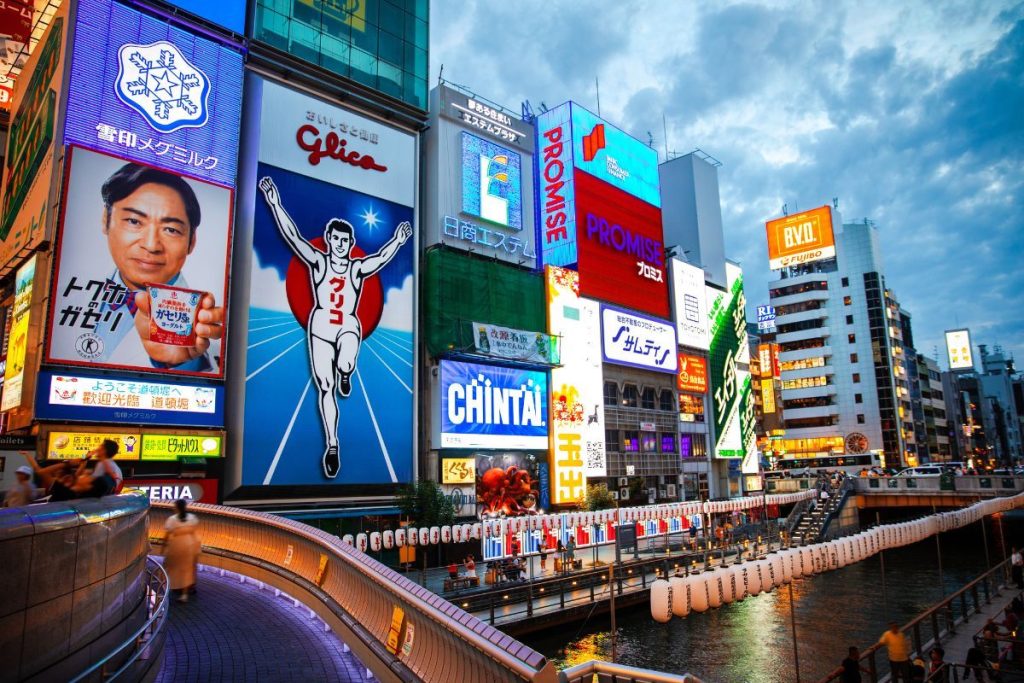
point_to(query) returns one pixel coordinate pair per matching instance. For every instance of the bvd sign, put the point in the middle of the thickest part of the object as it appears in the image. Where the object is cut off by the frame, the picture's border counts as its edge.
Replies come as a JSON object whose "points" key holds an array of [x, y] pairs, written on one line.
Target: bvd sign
{"points": [[800, 238]]}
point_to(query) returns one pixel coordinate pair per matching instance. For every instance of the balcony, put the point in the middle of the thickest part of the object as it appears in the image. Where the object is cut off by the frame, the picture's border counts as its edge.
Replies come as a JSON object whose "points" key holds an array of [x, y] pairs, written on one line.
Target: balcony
{"points": [[808, 372], [809, 392], [816, 411], [790, 318], [819, 295], [824, 351], [816, 333]]}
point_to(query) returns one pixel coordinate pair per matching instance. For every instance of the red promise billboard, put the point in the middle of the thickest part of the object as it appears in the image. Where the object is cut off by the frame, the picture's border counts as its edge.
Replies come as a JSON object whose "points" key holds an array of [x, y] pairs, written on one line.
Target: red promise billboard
{"points": [[620, 247]]}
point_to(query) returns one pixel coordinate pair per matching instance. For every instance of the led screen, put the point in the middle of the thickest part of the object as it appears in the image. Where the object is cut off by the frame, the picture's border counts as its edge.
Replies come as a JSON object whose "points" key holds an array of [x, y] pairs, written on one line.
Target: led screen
{"points": [[800, 238]]}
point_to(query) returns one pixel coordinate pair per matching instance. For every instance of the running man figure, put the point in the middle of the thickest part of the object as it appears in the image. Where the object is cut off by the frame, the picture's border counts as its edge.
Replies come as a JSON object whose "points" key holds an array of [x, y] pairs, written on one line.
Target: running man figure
{"points": [[333, 332]]}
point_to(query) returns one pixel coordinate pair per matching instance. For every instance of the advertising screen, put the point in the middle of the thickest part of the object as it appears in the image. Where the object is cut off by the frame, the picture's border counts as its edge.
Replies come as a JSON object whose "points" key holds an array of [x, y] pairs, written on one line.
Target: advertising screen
{"points": [[29, 160], [691, 408], [329, 365], [105, 398], [693, 373], [726, 311], [141, 280], [492, 182], [170, 490], [489, 121], [486, 406], [577, 400], [635, 340], [143, 89], [74, 445], [177, 446], [765, 318], [621, 251], [512, 344], [507, 484], [620, 160], [690, 305], [958, 350], [227, 13], [556, 230], [17, 344], [801, 238]]}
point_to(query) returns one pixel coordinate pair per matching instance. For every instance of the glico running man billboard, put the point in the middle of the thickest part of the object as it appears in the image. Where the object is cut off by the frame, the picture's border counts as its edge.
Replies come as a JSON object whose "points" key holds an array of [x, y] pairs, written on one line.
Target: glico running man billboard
{"points": [[599, 209], [329, 366], [730, 384]]}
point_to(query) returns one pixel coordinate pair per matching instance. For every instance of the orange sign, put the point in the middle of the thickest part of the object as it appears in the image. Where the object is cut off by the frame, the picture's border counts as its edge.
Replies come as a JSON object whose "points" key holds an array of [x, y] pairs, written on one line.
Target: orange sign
{"points": [[800, 238], [693, 373]]}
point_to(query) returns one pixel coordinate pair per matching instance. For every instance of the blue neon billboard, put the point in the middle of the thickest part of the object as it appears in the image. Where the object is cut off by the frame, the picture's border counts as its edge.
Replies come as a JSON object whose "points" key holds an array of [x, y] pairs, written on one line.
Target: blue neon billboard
{"points": [[144, 90], [492, 182], [486, 406], [227, 13], [556, 199], [609, 154]]}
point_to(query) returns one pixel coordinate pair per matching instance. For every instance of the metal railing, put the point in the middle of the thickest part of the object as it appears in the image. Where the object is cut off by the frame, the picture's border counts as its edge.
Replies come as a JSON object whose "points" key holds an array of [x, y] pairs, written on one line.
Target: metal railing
{"points": [[843, 494], [134, 657], [368, 604], [940, 621], [992, 485], [606, 671]]}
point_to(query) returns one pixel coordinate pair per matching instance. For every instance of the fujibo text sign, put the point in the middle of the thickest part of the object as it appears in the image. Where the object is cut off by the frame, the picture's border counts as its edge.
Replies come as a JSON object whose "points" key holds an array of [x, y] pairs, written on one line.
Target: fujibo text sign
{"points": [[801, 238], [484, 406]]}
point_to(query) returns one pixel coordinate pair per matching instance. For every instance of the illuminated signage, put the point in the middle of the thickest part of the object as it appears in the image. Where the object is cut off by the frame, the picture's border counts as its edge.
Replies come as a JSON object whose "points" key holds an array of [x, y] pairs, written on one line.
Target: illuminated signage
{"points": [[485, 406], [481, 236], [557, 229], [767, 395], [577, 402], [958, 350], [730, 385], [110, 399], [608, 154], [492, 182], [146, 90], [458, 470], [638, 341], [691, 408], [175, 446], [227, 13], [74, 445], [765, 318], [520, 345], [693, 373], [17, 346], [800, 238], [485, 118], [768, 357], [690, 305], [170, 490]]}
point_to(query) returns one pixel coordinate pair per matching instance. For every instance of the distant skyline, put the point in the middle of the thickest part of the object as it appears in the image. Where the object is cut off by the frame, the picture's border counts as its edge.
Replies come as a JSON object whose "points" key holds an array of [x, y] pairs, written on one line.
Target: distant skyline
{"points": [[909, 113]]}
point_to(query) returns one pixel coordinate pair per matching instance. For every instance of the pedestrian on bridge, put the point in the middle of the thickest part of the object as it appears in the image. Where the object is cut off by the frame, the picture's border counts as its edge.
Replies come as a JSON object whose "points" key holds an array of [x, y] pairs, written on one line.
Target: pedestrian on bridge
{"points": [[898, 647], [182, 551], [1017, 568], [851, 668]]}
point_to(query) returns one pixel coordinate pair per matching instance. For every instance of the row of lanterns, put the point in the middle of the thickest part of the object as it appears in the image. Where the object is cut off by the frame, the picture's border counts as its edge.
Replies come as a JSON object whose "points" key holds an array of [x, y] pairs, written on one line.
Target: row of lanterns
{"points": [[460, 533], [699, 592]]}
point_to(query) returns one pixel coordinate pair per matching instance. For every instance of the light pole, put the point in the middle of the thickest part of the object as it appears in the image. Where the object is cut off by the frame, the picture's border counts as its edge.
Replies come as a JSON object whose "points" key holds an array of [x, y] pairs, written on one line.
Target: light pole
{"points": [[611, 577]]}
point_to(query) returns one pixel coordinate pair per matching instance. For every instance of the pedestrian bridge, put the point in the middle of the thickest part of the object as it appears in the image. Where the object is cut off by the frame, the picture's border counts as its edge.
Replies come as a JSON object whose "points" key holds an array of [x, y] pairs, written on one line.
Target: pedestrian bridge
{"points": [[886, 492]]}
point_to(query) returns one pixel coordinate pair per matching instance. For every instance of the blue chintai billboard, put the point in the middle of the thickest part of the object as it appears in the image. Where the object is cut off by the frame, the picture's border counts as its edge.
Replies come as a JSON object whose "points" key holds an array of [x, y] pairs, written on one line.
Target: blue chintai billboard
{"points": [[487, 406], [330, 355]]}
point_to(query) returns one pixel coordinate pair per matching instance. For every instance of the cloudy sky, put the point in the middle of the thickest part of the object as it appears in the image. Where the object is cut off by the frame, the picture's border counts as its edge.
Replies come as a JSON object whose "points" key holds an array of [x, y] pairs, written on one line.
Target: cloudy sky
{"points": [[911, 113]]}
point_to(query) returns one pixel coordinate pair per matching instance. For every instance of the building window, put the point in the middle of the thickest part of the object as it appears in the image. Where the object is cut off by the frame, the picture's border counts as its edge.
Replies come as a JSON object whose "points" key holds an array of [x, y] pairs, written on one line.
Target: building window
{"points": [[668, 443], [630, 441], [647, 399], [847, 300], [858, 398], [849, 320], [856, 378], [853, 358], [611, 440], [805, 382], [852, 338], [860, 419], [803, 364], [630, 396], [845, 282], [666, 402], [611, 394], [648, 442]]}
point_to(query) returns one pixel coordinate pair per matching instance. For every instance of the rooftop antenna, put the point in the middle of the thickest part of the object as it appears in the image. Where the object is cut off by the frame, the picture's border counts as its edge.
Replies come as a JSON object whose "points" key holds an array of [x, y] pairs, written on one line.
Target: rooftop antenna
{"points": [[650, 140], [835, 203], [785, 209], [664, 130], [543, 107], [440, 75], [597, 87]]}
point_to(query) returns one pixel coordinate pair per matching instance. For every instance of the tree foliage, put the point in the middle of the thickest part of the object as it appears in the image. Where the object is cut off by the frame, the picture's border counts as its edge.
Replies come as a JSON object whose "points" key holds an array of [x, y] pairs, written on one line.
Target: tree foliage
{"points": [[425, 504], [598, 498]]}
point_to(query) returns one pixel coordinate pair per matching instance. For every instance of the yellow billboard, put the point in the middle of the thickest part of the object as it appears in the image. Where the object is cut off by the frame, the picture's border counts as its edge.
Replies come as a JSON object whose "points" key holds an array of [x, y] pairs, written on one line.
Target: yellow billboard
{"points": [[801, 238], [174, 446], [17, 347], [458, 471], [73, 445]]}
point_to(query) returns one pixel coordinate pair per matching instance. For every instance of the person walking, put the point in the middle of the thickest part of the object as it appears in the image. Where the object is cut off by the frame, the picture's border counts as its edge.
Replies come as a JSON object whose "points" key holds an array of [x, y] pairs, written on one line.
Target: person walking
{"points": [[1017, 568], [570, 552], [22, 493], [182, 551], [851, 668], [898, 647]]}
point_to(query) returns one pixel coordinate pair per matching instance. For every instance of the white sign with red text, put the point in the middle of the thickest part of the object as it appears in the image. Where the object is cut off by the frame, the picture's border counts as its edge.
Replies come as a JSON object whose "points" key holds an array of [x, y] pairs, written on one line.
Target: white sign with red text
{"points": [[335, 145]]}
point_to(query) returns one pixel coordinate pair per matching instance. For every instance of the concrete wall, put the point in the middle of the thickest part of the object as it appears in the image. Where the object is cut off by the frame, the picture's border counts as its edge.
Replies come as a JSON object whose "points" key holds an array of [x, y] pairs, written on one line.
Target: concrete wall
{"points": [[71, 584]]}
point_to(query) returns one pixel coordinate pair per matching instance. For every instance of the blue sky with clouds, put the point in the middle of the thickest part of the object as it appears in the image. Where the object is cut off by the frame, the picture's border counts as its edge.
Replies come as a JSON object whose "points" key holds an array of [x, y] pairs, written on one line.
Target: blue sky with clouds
{"points": [[911, 113]]}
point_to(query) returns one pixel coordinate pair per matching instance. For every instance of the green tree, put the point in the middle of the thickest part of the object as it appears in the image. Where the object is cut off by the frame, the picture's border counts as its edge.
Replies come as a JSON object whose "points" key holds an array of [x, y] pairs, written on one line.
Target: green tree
{"points": [[598, 498], [425, 504]]}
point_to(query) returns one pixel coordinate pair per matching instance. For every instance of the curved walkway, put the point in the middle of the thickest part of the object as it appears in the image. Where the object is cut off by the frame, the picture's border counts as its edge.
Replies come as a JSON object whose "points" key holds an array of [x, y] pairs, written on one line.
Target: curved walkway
{"points": [[234, 631]]}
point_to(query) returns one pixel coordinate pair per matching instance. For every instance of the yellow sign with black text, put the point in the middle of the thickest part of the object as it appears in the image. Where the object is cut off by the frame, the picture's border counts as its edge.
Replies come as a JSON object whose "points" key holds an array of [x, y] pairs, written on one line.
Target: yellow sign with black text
{"points": [[72, 445]]}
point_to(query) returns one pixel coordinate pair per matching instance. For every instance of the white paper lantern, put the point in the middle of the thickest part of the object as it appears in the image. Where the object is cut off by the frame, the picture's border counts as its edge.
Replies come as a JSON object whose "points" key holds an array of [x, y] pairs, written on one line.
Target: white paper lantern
{"points": [[400, 538], [361, 542], [375, 541], [348, 539], [388, 539], [680, 596], [661, 601]]}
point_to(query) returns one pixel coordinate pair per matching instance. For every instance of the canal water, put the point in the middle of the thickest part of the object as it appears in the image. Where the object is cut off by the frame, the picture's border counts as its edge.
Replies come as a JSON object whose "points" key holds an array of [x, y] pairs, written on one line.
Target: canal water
{"points": [[752, 641]]}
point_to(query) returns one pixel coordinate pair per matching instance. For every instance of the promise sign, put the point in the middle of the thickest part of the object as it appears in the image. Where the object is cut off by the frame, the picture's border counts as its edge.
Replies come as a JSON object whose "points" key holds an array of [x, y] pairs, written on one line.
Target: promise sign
{"points": [[800, 238]]}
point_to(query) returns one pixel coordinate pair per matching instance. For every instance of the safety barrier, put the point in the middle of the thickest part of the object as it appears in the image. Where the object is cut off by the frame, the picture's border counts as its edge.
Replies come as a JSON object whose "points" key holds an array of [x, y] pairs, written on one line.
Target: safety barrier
{"points": [[398, 629], [982, 485], [73, 583], [699, 592]]}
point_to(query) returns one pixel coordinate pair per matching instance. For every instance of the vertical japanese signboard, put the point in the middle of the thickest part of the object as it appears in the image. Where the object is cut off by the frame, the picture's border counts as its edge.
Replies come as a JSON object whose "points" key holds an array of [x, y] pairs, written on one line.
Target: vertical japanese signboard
{"points": [[17, 349], [730, 385], [577, 405]]}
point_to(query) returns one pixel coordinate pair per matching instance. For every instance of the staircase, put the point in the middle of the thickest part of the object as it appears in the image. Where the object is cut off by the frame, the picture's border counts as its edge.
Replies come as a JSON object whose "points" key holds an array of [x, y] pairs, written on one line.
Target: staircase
{"points": [[812, 524]]}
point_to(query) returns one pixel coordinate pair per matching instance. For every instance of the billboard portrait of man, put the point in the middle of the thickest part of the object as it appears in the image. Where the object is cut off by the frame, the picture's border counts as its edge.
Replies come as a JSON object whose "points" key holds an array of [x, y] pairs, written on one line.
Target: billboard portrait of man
{"points": [[128, 227]]}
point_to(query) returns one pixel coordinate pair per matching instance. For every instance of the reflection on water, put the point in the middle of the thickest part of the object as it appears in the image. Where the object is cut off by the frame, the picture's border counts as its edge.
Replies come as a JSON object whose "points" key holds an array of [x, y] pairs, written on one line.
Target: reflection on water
{"points": [[752, 641]]}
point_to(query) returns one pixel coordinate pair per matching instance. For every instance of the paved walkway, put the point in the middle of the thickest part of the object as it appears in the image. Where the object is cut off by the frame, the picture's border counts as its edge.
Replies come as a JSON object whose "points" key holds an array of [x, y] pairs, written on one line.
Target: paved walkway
{"points": [[234, 631]]}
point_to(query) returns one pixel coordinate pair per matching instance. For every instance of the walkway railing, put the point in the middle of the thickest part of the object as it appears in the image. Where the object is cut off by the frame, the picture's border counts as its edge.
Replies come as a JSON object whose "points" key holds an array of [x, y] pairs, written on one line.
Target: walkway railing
{"points": [[984, 486], [137, 655], [398, 629], [605, 671], [937, 624]]}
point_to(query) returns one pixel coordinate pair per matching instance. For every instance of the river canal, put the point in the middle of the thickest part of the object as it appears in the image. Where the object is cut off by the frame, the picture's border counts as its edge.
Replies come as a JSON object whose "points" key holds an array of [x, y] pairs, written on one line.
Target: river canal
{"points": [[751, 641]]}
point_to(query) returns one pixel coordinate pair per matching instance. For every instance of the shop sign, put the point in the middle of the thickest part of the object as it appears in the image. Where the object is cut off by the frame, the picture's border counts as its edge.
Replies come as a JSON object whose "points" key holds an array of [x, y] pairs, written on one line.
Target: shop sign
{"points": [[458, 471], [175, 446], [72, 445], [520, 345], [170, 490], [638, 341]]}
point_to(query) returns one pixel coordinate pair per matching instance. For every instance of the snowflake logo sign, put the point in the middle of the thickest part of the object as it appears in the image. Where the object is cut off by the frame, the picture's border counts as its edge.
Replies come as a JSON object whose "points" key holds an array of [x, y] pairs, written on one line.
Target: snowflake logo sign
{"points": [[158, 82]]}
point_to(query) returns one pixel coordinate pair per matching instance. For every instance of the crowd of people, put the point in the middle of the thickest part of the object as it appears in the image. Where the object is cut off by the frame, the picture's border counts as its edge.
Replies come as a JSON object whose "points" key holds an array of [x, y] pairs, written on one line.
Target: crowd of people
{"points": [[93, 476]]}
